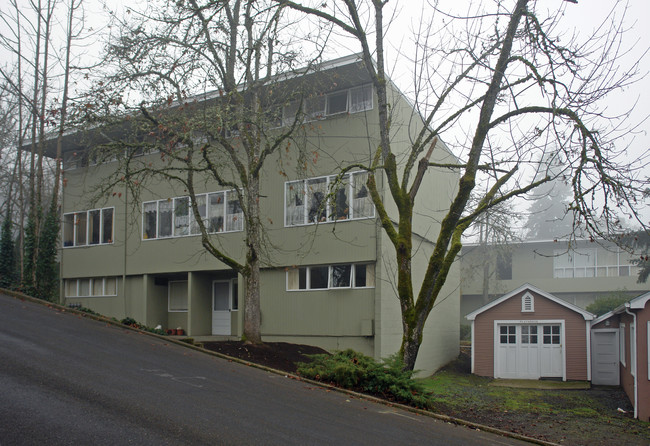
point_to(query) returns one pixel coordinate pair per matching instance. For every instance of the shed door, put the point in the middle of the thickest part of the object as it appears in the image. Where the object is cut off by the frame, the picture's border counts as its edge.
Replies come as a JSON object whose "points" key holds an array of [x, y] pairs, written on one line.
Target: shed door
{"points": [[604, 357], [528, 351], [551, 352]]}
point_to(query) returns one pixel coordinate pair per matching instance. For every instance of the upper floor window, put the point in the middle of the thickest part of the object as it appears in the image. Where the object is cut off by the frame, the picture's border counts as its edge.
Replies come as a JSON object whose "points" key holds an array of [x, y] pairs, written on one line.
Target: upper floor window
{"points": [[94, 227], [504, 265], [319, 200], [353, 100], [324, 277], [173, 217], [591, 263]]}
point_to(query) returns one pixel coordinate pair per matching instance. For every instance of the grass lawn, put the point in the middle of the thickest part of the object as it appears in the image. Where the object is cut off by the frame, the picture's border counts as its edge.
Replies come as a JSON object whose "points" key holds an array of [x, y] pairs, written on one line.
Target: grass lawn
{"points": [[589, 417]]}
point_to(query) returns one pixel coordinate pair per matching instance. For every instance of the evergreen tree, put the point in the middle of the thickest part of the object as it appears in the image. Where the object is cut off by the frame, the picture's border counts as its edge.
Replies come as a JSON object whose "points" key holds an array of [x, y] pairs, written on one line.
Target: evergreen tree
{"points": [[31, 240], [7, 255], [47, 271]]}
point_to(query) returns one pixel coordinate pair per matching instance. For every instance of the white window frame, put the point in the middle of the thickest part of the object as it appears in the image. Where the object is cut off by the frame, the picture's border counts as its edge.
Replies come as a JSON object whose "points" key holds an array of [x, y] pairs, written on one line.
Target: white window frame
{"points": [[290, 110], [232, 222], [302, 187], [91, 286], [330, 268], [88, 237]]}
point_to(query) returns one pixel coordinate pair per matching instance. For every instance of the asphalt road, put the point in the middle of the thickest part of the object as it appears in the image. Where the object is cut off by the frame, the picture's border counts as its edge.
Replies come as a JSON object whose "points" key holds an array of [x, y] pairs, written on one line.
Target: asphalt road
{"points": [[69, 380]]}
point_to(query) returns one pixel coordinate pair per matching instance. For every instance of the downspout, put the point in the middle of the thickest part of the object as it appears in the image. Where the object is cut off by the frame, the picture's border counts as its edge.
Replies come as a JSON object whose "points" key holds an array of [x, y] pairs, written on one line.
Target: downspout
{"points": [[636, 365], [126, 238]]}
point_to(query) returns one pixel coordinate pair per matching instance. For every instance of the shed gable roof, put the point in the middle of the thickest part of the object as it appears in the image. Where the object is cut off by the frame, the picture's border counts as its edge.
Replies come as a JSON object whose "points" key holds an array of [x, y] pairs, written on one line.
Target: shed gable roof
{"points": [[585, 314]]}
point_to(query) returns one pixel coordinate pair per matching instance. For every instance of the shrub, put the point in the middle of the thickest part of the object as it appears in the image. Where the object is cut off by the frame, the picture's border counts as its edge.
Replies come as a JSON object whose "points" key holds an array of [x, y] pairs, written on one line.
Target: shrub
{"points": [[356, 371], [465, 332], [604, 304]]}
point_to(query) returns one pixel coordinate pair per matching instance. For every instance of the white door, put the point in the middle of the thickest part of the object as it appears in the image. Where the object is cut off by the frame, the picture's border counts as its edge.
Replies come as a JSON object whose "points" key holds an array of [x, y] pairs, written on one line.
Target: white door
{"points": [[528, 351], [221, 293], [604, 357], [518, 352], [551, 357], [506, 354]]}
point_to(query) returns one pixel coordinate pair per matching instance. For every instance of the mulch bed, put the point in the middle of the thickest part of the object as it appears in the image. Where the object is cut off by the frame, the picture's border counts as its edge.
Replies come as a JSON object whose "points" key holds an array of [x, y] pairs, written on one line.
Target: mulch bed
{"points": [[276, 355]]}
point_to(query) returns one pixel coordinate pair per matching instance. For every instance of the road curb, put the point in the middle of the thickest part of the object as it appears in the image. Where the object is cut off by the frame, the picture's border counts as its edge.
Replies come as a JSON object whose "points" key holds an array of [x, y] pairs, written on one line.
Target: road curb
{"points": [[361, 396]]}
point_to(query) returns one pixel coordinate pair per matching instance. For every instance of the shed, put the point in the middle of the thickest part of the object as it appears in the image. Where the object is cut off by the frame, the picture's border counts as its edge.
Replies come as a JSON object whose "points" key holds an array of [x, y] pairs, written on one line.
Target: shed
{"points": [[625, 352], [531, 334]]}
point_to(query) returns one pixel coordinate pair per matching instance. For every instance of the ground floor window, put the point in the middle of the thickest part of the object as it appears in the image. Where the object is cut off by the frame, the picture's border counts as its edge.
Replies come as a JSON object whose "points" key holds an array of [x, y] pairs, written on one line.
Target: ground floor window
{"points": [[321, 277], [508, 334], [177, 295], [551, 334], [91, 287]]}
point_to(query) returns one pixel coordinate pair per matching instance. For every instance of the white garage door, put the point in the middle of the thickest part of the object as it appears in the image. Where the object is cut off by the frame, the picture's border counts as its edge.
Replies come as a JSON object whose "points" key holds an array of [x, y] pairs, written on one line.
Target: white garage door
{"points": [[528, 351], [604, 357]]}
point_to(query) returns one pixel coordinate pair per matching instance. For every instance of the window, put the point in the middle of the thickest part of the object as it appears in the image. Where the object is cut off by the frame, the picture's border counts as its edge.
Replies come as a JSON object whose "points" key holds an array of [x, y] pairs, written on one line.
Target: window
{"points": [[341, 275], [165, 210], [174, 217], [181, 216], [107, 225], [551, 334], [364, 276], [507, 334], [307, 201], [317, 107], [527, 303], [337, 103], [361, 98], [94, 219], [71, 288], [92, 287], [94, 227], [201, 206], [621, 341], [586, 263], [235, 295], [529, 334], [504, 266], [80, 228], [177, 296], [331, 277], [234, 214]]}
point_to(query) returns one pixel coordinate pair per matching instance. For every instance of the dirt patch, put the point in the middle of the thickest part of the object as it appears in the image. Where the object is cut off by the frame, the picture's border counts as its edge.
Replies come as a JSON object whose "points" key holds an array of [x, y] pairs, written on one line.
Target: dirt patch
{"points": [[277, 355]]}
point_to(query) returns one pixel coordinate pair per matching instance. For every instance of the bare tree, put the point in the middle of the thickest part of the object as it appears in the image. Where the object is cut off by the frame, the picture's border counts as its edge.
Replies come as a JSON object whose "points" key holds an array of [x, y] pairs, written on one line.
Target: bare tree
{"points": [[40, 102], [230, 53], [509, 79]]}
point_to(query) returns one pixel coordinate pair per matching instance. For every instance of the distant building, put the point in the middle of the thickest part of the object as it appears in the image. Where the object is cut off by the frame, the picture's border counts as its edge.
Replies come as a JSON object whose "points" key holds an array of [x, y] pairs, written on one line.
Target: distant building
{"points": [[579, 275]]}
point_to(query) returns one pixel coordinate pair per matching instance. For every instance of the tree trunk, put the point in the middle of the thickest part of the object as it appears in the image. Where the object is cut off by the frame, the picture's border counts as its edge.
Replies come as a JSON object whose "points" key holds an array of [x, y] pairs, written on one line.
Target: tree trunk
{"points": [[252, 314], [411, 340]]}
